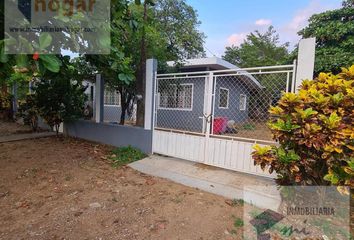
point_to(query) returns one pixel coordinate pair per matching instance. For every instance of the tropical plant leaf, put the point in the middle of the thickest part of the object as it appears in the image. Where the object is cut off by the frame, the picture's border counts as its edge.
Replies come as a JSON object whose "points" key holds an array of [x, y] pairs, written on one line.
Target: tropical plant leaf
{"points": [[50, 62], [21, 60], [3, 57], [45, 39]]}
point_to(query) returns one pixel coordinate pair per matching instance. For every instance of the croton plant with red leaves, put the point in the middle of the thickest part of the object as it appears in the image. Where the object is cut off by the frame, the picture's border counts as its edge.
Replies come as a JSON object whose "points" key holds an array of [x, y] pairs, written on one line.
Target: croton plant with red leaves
{"points": [[315, 132]]}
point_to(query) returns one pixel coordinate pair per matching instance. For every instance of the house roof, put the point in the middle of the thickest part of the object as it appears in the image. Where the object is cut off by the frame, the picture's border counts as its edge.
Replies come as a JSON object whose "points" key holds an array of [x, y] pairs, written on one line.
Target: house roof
{"points": [[215, 63], [212, 62]]}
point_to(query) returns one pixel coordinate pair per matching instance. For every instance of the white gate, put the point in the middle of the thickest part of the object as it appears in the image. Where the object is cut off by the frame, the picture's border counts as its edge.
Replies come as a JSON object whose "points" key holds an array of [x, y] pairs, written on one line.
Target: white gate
{"points": [[215, 117]]}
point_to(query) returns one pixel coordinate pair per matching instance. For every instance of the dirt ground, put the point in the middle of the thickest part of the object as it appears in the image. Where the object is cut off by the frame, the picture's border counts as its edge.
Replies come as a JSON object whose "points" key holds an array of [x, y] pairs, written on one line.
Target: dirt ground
{"points": [[9, 128], [258, 130], [66, 189]]}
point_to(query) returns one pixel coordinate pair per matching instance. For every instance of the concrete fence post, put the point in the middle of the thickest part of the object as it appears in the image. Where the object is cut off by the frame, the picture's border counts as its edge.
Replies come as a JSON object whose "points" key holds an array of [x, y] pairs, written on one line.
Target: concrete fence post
{"points": [[14, 98], [151, 71], [99, 99], [305, 61]]}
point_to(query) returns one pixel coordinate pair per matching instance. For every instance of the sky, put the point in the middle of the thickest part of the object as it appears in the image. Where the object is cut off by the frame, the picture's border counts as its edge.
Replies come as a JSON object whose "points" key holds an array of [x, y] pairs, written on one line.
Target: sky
{"points": [[227, 22]]}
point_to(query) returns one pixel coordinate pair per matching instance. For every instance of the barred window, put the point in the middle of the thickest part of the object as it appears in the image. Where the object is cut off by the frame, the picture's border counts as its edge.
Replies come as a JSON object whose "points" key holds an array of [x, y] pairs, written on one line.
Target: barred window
{"points": [[177, 97], [111, 98], [243, 102], [224, 98]]}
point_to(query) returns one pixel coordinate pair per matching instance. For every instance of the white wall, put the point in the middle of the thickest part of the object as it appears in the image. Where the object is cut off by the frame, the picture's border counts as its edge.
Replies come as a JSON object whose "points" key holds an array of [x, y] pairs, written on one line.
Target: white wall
{"points": [[305, 61]]}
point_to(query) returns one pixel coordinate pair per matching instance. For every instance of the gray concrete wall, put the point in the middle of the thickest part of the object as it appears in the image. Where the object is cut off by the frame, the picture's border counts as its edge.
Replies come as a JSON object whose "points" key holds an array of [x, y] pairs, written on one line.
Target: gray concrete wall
{"points": [[111, 134]]}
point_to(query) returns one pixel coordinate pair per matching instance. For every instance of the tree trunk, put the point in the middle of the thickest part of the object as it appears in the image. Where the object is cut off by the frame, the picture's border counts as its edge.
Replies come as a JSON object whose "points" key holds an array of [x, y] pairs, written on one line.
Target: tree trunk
{"points": [[124, 111], [123, 114], [141, 75], [57, 126], [126, 98], [123, 105], [11, 111]]}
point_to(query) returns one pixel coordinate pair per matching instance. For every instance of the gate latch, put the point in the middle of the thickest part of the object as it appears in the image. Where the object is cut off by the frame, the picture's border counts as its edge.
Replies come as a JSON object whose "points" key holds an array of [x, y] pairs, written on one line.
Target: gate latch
{"points": [[207, 117]]}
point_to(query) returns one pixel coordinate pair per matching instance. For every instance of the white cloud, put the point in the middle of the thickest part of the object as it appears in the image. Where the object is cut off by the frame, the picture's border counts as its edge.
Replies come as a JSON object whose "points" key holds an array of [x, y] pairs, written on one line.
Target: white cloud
{"points": [[301, 17], [288, 31], [263, 22], [236, 39]]}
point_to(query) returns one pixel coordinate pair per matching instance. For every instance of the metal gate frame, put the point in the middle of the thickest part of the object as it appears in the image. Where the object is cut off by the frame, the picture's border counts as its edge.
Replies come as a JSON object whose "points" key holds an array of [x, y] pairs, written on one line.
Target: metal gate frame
{"points": [[213, 149]]}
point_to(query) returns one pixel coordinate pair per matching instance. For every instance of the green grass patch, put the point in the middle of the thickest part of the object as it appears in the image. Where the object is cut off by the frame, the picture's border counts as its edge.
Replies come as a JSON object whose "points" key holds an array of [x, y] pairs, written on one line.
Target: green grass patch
{"points": [[249, 126], [238, 222], [238, 202], [125, 155]]}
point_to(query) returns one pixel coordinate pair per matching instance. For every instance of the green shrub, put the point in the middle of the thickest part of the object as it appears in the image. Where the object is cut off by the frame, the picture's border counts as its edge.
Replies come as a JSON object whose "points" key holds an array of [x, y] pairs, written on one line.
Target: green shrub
{"points": [[237, 202], [125, 155], [59, 100], [315, 130], [29, 112], [5, 105], [5, 100], [238, 222]]}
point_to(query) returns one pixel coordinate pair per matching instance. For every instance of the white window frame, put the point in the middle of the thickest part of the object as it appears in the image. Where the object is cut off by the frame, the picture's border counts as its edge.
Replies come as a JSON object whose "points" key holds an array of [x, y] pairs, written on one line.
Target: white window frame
{"points": [[228, 97], [111, 105], [243, 96], [178, 109]]}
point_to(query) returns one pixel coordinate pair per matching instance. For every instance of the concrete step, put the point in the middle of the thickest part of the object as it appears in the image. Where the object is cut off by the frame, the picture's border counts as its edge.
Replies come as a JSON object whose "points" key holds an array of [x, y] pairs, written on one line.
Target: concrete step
{"points": [[259, 191]]}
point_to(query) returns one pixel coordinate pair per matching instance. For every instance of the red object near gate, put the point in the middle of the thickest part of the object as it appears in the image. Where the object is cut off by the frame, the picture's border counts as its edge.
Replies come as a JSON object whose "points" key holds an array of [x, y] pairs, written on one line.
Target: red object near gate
{"points": [[219, 125]]}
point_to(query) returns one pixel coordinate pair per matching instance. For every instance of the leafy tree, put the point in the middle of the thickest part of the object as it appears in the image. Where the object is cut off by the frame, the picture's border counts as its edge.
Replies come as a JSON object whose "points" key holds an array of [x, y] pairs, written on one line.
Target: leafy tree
{"points": [[348, 3], [166, 30], [262, 49], [258, 49], [178, 23], [116, 67], [41, 61], [314, 129], [22, 68], [42, 66], [335, 39], [59, 97]]}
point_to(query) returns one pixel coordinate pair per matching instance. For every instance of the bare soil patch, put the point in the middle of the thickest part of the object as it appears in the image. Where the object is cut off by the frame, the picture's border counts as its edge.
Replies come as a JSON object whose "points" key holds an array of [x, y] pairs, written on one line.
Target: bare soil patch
{"points": [[65, 189], [253, 130]]}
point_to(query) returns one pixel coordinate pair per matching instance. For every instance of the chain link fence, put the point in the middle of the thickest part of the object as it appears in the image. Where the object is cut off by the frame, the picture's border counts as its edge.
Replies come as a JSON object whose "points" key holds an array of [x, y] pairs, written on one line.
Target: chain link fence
{"points": [[113, 108], [235, 105], [180, 103], [112, 111], [242, 100]]}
